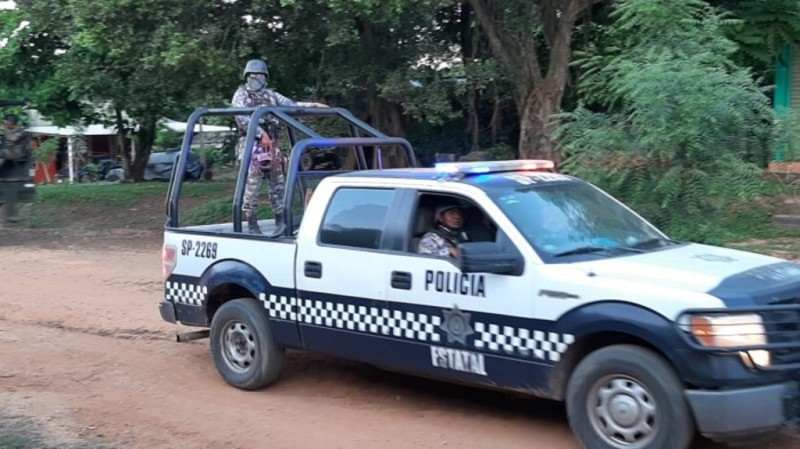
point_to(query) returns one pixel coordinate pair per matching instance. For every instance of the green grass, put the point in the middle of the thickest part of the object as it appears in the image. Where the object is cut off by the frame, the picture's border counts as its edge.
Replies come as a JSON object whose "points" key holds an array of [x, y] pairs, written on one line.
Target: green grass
{"points": [[214, 211], [121, 195], [129, 205], [218, 210]]}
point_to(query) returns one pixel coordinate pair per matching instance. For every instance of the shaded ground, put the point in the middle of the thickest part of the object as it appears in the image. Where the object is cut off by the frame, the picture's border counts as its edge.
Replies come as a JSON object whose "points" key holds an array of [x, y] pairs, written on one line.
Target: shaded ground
{"points": [[85, 359]]}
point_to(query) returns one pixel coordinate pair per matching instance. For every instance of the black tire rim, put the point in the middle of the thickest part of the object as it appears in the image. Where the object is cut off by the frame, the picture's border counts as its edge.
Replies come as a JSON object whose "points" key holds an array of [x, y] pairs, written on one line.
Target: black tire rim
{"points": [[623, 412]]}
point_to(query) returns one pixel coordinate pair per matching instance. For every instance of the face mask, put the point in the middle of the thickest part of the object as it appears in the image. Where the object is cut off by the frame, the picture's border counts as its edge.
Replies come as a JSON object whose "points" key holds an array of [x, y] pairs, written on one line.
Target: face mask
{"points": [[256, 82]]}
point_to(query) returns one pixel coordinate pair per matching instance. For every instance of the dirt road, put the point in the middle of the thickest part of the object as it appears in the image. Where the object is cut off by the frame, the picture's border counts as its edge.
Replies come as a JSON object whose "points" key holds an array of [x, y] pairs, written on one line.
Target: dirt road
{"points": [[84, 353]]}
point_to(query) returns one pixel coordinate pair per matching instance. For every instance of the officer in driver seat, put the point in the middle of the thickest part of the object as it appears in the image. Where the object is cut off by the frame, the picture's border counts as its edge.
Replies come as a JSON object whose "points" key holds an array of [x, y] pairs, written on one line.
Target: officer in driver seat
{"points": [[447, 232]]}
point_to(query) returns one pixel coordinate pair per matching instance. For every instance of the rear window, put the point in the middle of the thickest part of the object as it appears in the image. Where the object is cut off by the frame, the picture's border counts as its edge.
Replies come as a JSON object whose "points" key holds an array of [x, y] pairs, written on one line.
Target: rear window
{"points": [[356, 217]]}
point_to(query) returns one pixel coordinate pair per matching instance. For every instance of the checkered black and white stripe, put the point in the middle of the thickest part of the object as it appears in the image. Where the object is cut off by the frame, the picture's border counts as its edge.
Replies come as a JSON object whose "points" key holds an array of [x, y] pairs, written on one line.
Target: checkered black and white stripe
{"points": [[539, 344], [373, 320], [280, 307], [186, 293]]}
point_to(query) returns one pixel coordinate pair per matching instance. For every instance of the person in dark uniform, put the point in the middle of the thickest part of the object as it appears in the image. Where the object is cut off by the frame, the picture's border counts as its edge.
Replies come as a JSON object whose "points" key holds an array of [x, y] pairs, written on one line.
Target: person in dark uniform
{"points": [[15, 158]]}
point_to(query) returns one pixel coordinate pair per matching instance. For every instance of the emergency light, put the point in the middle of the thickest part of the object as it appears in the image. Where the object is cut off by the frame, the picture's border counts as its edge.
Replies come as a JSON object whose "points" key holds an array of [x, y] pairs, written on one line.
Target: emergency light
{"points": [[483, 167]]}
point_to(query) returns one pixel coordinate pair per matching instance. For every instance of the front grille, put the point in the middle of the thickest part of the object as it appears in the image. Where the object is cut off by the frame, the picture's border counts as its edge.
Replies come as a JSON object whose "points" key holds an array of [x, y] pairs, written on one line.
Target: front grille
{"points": [[783, 328]]}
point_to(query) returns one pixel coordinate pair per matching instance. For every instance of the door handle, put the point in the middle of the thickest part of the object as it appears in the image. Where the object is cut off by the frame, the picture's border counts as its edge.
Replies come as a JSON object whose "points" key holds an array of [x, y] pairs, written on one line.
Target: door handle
{"points": [[401, 280], [313, 270]]}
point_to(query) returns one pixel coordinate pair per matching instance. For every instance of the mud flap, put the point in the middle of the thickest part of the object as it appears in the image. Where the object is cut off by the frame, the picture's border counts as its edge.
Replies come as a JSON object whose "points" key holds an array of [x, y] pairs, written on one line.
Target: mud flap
{"points": [[167, 310], [792, 410]]}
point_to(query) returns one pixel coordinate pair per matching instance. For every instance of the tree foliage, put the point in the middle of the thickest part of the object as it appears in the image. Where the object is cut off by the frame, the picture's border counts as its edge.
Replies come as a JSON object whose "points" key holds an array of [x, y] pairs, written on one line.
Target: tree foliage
{"points": [[763, 28], [532, 42], [682, 129], [450, 75], [116, 56]]}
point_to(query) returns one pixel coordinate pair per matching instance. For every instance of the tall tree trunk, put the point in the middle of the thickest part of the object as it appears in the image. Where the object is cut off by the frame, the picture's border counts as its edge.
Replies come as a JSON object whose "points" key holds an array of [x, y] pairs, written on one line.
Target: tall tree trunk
{"points": [[536, 109], [468, 50], [538, 93], [496, 123], [473, 123], [119, 140], [144, 145], [386, 116], [383, 114]]}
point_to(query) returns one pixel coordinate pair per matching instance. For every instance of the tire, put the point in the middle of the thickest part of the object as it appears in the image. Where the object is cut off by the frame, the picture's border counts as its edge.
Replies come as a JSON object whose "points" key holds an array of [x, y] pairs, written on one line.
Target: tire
{"points": [[628, 397], [245, 353]]}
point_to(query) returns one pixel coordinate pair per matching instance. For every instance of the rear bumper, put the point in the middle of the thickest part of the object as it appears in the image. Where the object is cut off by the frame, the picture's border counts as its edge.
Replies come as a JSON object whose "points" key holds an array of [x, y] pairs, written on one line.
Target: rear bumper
{"points": [[178, 312], [729, 414], [167, 310]]}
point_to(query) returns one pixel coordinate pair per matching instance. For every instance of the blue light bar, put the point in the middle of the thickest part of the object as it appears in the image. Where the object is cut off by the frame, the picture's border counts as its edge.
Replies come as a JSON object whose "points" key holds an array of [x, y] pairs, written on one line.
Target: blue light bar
{"points": [[483, 167]]}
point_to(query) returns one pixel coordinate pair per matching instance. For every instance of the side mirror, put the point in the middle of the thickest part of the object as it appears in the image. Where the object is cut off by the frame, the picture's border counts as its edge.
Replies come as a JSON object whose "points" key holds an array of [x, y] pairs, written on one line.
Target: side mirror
{"points": [[490, 257]]}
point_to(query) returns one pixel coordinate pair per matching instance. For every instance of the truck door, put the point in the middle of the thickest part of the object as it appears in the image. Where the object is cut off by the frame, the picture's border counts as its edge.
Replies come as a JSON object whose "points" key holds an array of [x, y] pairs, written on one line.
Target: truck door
{"points": [[341, 293], [479, 327]]}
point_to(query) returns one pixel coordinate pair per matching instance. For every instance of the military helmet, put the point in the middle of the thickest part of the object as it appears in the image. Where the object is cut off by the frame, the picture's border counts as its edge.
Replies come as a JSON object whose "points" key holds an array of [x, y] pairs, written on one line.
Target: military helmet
{"points": [[445, 206], [256, 66]]}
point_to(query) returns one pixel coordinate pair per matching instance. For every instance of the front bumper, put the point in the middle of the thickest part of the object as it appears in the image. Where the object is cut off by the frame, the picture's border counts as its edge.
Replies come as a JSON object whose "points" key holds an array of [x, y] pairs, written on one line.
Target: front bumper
{"points": [[727, 414]]}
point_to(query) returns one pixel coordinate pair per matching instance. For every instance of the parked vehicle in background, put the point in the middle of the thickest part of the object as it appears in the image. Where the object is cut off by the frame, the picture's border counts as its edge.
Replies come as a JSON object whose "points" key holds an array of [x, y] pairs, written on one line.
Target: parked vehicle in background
{"points": [[160, 165]]}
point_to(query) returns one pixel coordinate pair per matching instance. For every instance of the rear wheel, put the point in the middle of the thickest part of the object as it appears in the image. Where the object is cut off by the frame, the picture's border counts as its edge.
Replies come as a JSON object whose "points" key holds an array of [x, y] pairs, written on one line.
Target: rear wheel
{"points": [[244, 350], [628, 397]]}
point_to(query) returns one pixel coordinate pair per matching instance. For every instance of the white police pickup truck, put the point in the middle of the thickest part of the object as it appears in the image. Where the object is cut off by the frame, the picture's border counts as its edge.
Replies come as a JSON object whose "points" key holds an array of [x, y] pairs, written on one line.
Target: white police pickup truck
{"points": [[562, 292]]}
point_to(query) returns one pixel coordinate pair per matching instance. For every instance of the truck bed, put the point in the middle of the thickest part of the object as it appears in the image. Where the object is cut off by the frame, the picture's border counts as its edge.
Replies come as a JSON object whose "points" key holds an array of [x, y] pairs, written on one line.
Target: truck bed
{"points": [[267, 228]]}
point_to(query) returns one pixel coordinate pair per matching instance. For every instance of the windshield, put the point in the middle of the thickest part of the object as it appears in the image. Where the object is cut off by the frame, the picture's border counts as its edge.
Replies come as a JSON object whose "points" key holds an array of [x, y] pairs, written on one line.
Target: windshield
{"points": [[570, 218]]}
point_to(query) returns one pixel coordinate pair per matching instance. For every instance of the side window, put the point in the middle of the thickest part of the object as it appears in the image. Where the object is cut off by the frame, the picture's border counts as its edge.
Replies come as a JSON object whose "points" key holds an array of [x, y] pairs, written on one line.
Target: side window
{"points": [[477, 226], [355, 217]]}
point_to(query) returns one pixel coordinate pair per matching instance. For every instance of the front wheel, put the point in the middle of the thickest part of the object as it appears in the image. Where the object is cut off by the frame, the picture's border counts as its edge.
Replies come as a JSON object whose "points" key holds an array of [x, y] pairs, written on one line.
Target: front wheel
{"points": [[244, 350], [628, 397]]}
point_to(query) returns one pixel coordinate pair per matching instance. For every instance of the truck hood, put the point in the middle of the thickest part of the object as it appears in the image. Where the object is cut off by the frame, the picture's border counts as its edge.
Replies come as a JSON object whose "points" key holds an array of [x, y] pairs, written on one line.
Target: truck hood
{"points": [[738, 278]]}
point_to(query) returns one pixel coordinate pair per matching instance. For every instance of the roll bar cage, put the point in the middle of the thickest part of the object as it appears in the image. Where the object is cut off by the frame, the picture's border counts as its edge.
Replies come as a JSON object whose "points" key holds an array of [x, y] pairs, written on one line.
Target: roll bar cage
{"points": [[287, 116]]}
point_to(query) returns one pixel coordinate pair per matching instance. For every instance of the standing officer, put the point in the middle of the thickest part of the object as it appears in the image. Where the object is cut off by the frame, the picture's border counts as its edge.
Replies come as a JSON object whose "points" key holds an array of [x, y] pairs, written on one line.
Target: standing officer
{"points": [[266, 160], [15, 157]]}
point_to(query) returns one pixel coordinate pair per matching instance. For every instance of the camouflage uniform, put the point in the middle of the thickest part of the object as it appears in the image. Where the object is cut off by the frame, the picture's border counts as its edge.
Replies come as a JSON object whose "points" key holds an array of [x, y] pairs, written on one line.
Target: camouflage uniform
{"points": [[264, 161], [14, 165], [15, 145], [440, 241], [247, 98]]}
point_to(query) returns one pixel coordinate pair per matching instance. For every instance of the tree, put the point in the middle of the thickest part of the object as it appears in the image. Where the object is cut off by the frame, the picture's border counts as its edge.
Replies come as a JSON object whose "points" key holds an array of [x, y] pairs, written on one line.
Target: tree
{"points": [[683, 128], [763, 28], [379, 58], [27, 68], [523, 34], [117, 53]]}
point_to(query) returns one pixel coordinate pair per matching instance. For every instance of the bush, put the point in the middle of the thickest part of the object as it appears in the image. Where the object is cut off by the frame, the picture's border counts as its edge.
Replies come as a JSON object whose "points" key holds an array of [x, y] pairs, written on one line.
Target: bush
{"points": [[681, 132], [166, 138]]}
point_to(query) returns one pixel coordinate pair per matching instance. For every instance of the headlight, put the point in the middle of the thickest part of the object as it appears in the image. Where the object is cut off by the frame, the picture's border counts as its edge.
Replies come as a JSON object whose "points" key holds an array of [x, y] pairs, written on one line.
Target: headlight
{"points": [[725, 331]]}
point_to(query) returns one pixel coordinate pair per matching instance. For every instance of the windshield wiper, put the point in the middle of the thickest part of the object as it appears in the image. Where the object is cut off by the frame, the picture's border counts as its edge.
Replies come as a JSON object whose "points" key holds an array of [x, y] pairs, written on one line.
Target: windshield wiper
{"points": [[581, 250], [652, 241], [588, 249], [595, 249]]}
